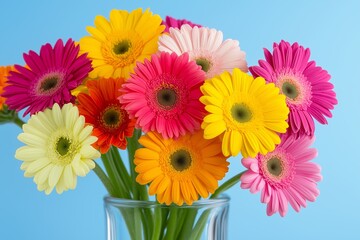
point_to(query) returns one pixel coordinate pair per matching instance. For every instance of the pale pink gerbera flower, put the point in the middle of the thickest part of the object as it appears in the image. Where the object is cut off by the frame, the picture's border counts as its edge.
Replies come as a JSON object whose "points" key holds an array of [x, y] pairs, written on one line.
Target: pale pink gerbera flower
{"points": [[306, 86], [206, 47], [163, 95], [176, 23], [48, 78], [285, 175]]}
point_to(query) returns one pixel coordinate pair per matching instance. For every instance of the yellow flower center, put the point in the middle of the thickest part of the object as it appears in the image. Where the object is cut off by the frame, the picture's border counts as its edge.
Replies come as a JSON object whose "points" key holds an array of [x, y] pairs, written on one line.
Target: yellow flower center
{"points": [[62, 148], [122, 49], [179, 160], [241, 113], [63, 145]]}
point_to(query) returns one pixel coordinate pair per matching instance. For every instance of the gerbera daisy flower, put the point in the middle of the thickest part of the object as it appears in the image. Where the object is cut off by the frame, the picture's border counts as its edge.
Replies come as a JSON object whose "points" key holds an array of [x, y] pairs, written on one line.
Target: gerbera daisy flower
{"points": [[163, 95], [171, 22], [102, 110], [116, 45], [206, 47], [48, 78], [285, 175], [246, 113], [309, 94], [4, 73], [179, 170], [58, 148]]}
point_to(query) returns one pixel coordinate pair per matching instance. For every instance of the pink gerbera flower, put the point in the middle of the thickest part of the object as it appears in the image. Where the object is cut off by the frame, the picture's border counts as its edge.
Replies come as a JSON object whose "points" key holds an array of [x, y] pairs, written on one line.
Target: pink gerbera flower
{"points": [[206, 47], [176, 23], [163, 95], [306, 86], [284, 175], [48, 78]]}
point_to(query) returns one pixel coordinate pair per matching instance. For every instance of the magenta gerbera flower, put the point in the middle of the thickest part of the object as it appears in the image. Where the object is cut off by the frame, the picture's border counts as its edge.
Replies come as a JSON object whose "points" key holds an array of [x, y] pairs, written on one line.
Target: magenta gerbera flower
{"points": [[309, 94], [163, 95], [285, 175], [176, 23], [48, 78]]}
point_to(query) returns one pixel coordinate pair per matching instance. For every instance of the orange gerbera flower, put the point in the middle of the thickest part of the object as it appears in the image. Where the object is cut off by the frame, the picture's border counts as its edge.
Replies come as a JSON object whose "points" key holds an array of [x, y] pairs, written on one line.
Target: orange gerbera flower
{"points": [[103, 111], [4, 73]]}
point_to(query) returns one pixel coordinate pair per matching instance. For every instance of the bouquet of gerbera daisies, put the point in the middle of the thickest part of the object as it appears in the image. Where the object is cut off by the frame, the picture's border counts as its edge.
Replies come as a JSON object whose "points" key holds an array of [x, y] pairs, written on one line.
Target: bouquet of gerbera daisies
{"points": [[180, 99]]}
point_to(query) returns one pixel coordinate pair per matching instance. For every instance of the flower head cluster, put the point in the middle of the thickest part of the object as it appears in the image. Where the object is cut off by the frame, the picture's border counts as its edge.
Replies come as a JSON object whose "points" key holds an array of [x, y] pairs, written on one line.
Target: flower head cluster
{"points": [[48, 78], [309, 94], [188, 92]]}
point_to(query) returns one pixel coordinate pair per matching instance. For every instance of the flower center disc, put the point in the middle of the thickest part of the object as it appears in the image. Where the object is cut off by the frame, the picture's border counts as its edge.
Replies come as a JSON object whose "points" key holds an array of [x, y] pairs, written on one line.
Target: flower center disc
{"points": [[241, 113], [180, 160], [290, 90], [166, 97], [122, 47], [49, 83], [111, 117], [204, 64], [63, 145], [274, 166]]}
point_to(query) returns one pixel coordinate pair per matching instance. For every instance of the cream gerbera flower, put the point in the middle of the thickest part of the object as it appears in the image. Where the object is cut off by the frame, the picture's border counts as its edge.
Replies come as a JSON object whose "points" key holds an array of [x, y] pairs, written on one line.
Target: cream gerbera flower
{"points": [[58, 148]]}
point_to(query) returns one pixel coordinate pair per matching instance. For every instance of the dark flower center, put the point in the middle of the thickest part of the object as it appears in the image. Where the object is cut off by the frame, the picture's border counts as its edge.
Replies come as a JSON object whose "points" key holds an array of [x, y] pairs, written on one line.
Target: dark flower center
{"points": [[180, 160], [241, 113], [122, 47], [274, 166], [204, 64], [63, 145], [111, 117], [49, 83], [166, 97], [290, 90]]}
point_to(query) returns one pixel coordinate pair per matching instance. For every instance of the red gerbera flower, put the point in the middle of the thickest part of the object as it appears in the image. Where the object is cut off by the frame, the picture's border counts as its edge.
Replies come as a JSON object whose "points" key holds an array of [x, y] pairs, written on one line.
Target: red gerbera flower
{"points": [[103, 110]]}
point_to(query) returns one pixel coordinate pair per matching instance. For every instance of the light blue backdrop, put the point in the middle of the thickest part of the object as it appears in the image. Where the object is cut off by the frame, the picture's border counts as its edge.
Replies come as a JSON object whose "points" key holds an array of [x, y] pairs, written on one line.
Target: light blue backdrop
{"points": [[330, 28]]}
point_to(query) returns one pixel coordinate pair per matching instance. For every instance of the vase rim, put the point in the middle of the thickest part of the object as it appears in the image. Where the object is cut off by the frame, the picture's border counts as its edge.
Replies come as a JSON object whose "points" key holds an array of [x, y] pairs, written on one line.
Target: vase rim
{"points": [[222, 199]]}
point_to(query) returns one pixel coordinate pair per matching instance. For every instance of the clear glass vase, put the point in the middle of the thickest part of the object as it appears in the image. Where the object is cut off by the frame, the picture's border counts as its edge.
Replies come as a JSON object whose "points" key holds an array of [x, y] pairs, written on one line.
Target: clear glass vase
{"points": [[148, 220]]}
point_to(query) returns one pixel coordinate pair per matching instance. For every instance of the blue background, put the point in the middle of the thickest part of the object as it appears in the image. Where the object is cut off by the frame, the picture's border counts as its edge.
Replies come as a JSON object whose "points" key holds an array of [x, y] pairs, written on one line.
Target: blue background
{"points": [[329, 28]]}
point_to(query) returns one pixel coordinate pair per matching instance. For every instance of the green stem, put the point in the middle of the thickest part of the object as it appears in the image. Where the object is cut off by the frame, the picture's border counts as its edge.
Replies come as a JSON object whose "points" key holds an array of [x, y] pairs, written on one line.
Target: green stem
{"points": [[172, 224], [199, 226], [188, 223], [110, 172], [226, 185], [182, 218], [18, 121], [120, 168], [104, 179], [132, 146], [158, 223], [164, 220]]}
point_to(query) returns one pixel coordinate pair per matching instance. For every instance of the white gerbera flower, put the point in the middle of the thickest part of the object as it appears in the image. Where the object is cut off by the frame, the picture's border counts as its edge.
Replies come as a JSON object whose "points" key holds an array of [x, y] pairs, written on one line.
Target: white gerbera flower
{"points": [[206, 47], [58, 148]]}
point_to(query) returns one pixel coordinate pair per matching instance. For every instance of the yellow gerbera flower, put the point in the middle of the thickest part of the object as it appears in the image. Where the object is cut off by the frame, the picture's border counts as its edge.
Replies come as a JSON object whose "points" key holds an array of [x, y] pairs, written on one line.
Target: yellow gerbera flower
{"points": [[58, 148], [116, 45], [4, 73], [180, 170], [245, 112]]}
